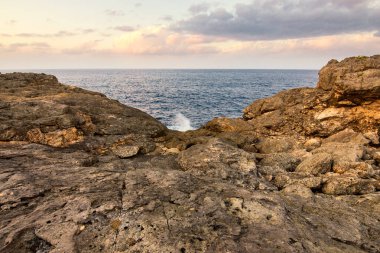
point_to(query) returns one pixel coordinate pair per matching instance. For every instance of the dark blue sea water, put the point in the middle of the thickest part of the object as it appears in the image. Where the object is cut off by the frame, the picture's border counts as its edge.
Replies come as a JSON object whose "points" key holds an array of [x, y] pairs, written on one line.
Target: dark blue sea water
{"points": [[200, 95]]}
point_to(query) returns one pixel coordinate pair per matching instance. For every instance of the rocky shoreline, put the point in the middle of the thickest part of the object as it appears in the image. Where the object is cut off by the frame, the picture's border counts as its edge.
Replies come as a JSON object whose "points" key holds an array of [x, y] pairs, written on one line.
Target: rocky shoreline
{"points": [[299, 172]]}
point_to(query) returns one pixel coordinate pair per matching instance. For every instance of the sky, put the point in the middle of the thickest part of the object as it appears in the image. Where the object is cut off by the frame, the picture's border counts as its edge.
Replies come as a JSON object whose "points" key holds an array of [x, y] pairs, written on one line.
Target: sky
{"points": [[259, 34]]}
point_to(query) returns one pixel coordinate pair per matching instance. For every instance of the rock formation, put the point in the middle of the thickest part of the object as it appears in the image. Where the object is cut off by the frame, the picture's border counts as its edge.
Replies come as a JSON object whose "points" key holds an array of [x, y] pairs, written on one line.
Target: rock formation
{"points": [[300, 172]]}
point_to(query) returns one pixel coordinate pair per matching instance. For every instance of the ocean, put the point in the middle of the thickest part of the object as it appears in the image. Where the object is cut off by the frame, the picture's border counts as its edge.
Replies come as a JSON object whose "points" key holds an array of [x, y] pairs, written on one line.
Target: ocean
{"points": [[185, 99]]}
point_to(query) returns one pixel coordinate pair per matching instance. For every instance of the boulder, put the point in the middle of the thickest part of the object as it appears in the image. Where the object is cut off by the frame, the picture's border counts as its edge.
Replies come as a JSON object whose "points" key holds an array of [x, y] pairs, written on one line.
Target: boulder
{"points": [[286, 161], [125, 151], [347, 96], [312, 143], [341, 152], [218, 159], [356, 79], [360, 169], [309, 181], [316, 164], [227, 125], [299, 190], [342, 185], [276, 145], [347, 136]]}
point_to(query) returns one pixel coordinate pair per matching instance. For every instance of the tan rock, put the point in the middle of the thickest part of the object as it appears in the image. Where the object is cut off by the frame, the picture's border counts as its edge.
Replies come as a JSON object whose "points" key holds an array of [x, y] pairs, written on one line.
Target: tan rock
{"points": [[318, 163], [348, 136], [312, 143], [360, 169], [228, 125], [355, 78], [299, 190], [58, 138], [276, 145], [342, 185], [220, 160], [125, 151], [341, 152]]}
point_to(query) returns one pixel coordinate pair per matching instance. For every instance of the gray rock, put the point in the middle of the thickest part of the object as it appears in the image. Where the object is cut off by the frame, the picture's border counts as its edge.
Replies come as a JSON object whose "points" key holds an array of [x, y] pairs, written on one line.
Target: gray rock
{"points": [[341, 152], [220, 160], [286, 161], [318, 163], [276, 145], [283, 180], [347, 136]]}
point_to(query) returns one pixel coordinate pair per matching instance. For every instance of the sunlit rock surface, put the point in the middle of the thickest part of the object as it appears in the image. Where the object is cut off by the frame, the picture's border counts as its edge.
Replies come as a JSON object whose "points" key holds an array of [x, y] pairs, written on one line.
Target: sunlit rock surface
{"points": [[298, 173]]}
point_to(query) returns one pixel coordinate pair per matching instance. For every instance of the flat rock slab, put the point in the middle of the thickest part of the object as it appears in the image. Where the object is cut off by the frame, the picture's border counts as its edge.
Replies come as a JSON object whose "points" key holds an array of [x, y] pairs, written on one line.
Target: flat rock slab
{"points": [[126, 151]]}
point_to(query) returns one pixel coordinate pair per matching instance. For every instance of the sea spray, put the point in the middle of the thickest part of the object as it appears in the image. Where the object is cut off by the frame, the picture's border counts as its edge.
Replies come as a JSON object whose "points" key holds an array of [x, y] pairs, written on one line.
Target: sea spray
{"points": [[181, 123]]}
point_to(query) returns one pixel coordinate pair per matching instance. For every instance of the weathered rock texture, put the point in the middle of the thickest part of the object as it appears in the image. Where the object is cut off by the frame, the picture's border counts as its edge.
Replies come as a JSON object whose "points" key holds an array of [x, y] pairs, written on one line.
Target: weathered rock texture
{"points": [[38, 109], [298, 173]]}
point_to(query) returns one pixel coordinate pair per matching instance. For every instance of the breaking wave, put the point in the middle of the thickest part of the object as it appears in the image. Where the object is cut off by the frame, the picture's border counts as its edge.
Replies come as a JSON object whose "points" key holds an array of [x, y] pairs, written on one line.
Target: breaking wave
{"points": [[181, 123]]}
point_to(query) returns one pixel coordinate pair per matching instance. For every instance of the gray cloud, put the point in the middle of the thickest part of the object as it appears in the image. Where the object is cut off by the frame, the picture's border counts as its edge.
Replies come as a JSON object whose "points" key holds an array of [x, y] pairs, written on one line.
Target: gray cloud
{"points": [[40, 45], [124, 28], [114, 13], [46, 35], [87, 31], [137, 5], [167, 18], [17, 45], [199, 8], [35, 46], [273, 19]]}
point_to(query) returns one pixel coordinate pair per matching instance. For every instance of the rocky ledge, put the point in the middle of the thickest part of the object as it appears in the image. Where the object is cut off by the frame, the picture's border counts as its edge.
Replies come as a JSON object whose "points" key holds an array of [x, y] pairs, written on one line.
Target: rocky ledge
{"points": [[299, 172]]}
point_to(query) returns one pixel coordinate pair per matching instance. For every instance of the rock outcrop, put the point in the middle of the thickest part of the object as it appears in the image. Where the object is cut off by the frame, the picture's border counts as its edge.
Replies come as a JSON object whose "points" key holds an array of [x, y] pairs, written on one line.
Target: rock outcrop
{"points": [[38, 109], [300, 172]]}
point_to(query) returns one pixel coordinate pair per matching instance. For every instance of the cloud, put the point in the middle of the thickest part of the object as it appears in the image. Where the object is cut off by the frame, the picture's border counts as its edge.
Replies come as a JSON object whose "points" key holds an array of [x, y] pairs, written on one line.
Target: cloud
{"points": [[85, 48], [167, 18], [87, 31], [124, 28], [20, 46], [17, 45], [137, 5], [272, 19], [114, 13], [46, 35], [199, 8], [328, 46], [39, 45], [160, 41]]}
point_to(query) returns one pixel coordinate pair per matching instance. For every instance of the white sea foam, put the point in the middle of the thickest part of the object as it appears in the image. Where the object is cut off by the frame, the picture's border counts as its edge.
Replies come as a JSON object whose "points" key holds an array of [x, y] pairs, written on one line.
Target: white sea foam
{"points": [[181, 123]]}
